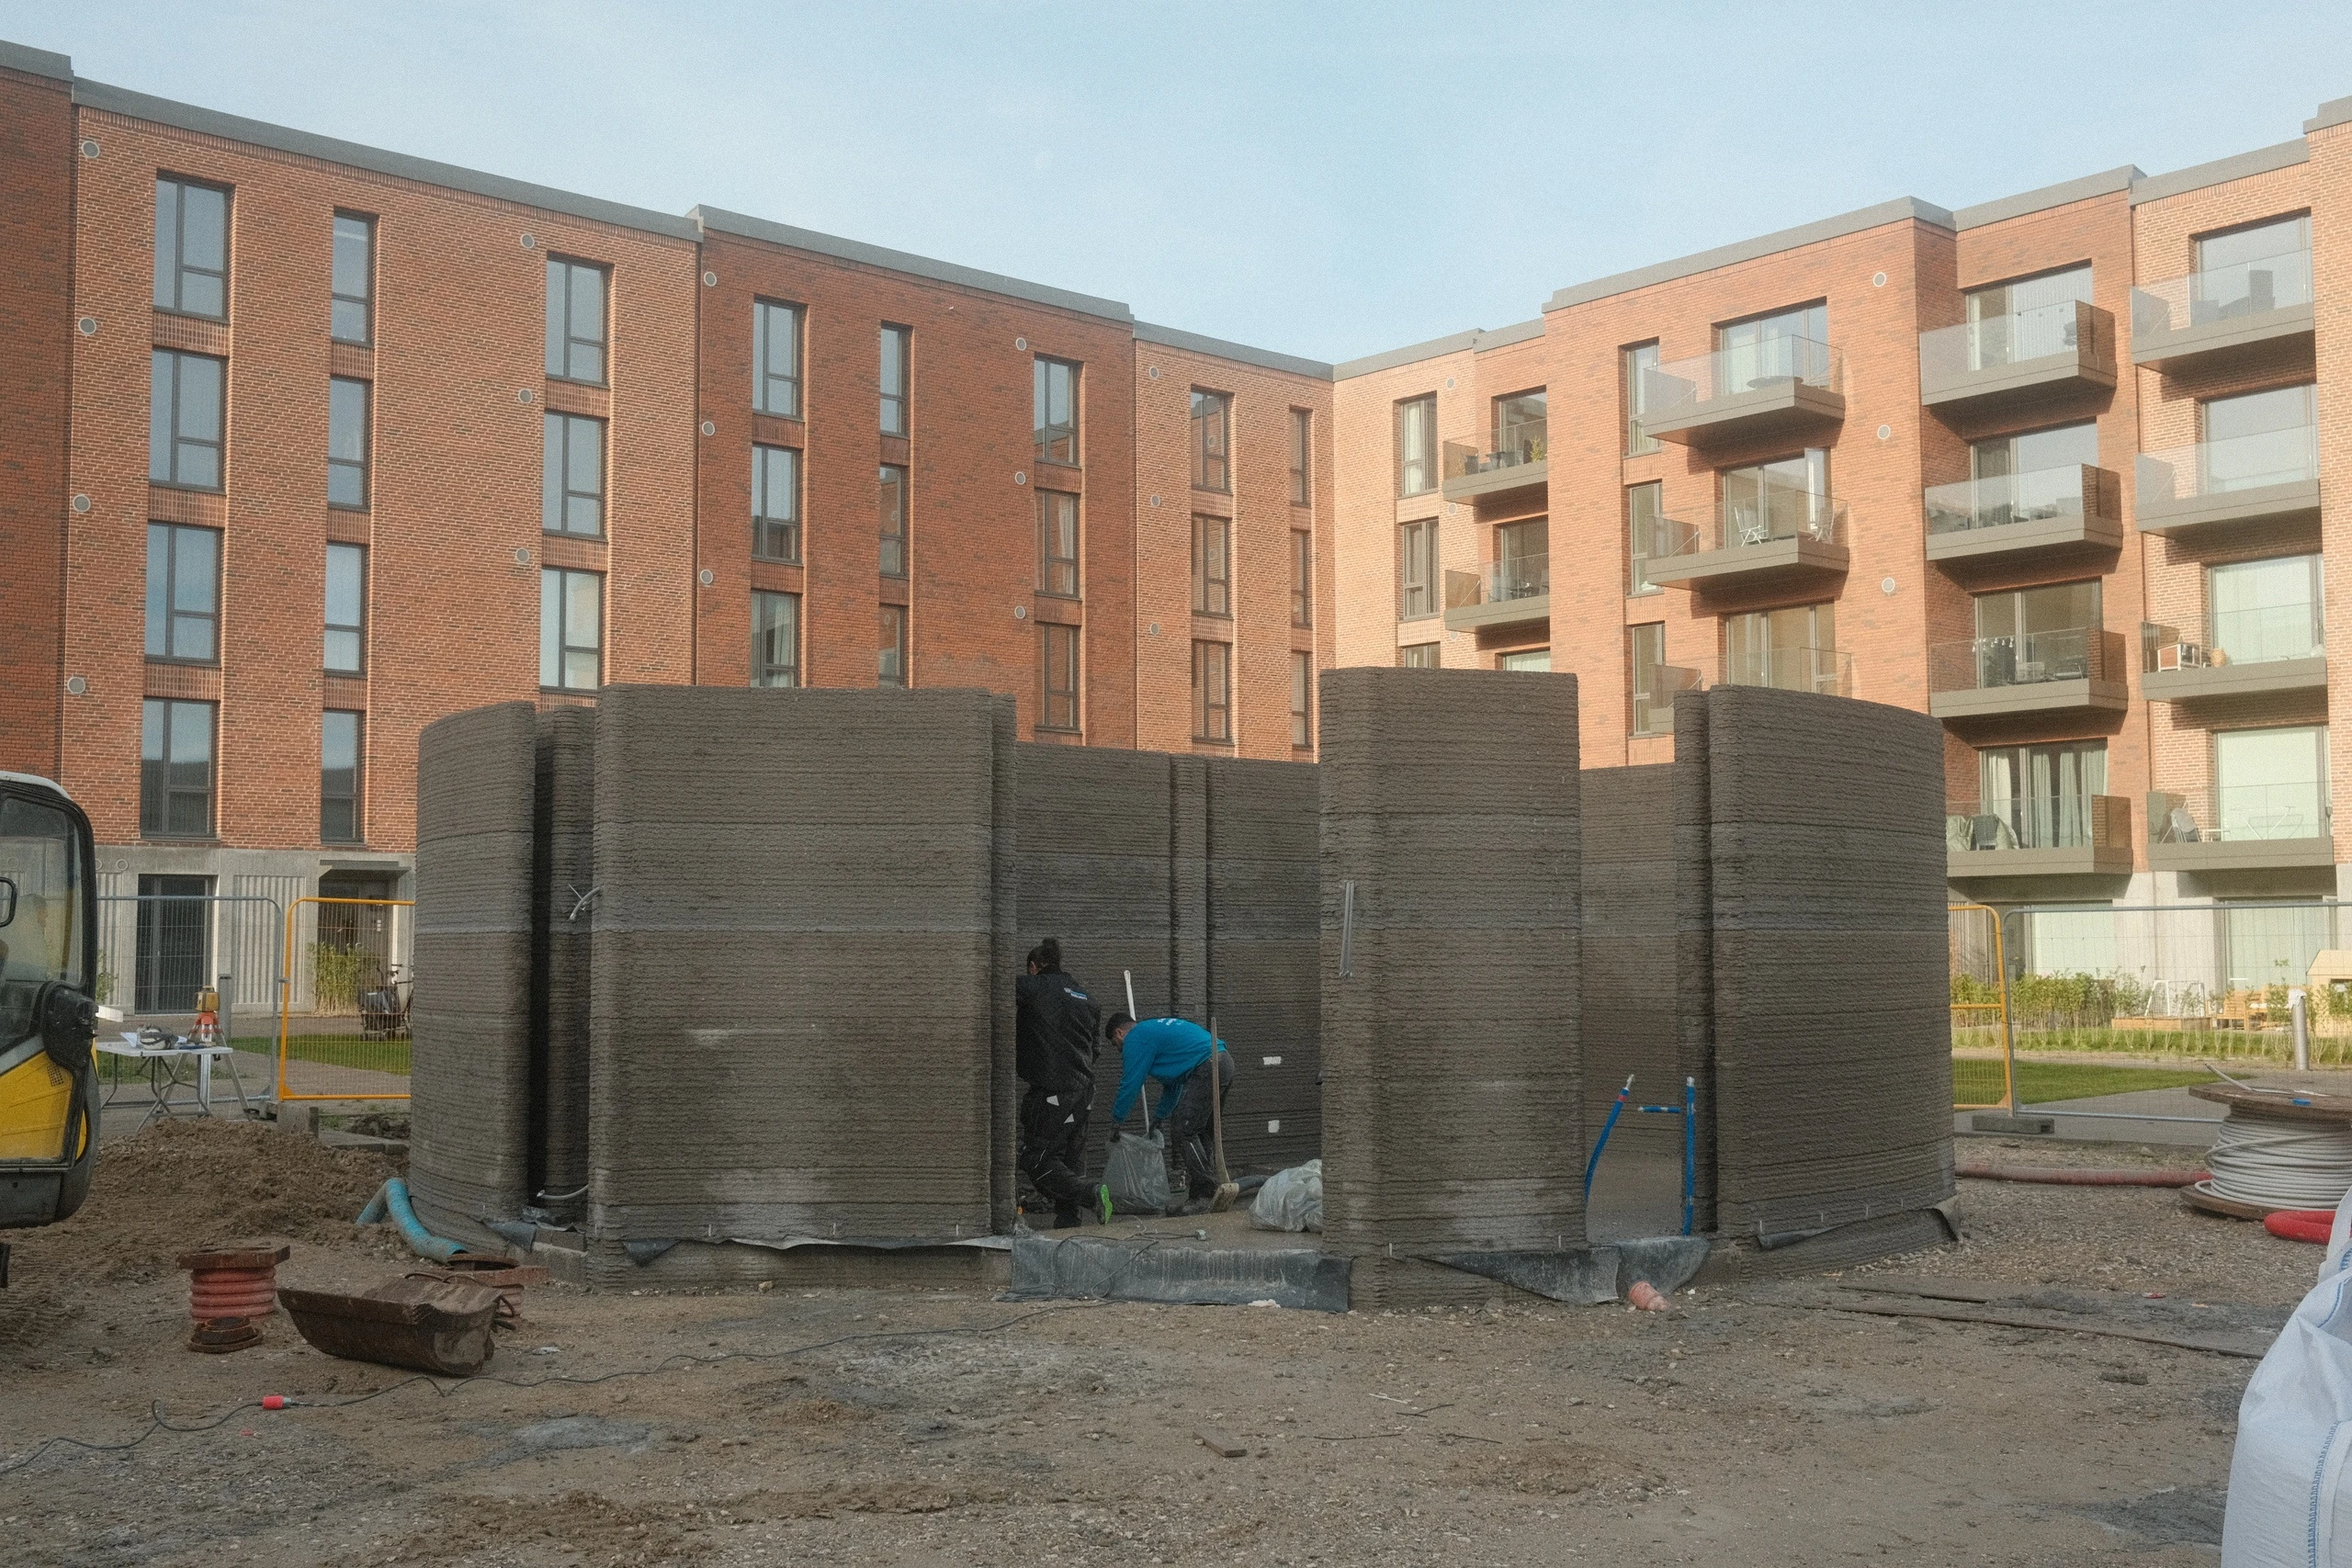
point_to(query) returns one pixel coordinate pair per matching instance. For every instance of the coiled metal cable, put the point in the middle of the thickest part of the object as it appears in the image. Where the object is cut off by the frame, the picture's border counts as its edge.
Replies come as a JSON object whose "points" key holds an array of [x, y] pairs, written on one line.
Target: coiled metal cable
{"points": [[2279, 1163]]}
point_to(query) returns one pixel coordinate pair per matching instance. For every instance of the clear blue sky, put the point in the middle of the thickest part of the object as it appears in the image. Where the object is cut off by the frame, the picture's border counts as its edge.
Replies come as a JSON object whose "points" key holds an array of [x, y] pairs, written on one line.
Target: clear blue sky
{"points": [[1324, 179]]}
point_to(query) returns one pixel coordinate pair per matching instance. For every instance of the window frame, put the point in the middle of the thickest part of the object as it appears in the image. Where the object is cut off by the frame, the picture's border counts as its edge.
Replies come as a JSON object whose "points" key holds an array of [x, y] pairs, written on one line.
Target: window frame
{"points": [[166, 593], [337, 298], [165, 404], [562, 327], [1212, 441], [555, 494], [1053, 697], [1048, 503], [1212, 717], [356, 630], [1638, 583], [1302, 457], [353, 801], [1422, 528], [903, 371], [180, 266], [1212, 590], [363, 465], [1408, 656], [1302, 699], [1634, 668], [156, 823], [894, 645], [765, 670], [1634, 360], [892, 520], [766, 378], [1047, 435], [1408, 462], [1302, 578], [562, 646], [763, 457]]}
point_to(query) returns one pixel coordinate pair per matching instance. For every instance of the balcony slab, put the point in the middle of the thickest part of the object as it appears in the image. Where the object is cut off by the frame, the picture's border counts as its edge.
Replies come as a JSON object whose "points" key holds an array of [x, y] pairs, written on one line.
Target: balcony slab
{"points": [[2042, 535], [2209, 683], [1497, 483], [2294, 501], [2030, 696], [2243, 854], [1795, 559], [2022, 384], [2208, 343], [2108, 860], [1500, 613], [1780, 406]]}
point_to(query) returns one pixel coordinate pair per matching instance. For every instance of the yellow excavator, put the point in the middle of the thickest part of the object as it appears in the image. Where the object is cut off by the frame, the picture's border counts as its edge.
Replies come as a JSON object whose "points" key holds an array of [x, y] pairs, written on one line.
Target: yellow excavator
{"points": [[49, 1010]]}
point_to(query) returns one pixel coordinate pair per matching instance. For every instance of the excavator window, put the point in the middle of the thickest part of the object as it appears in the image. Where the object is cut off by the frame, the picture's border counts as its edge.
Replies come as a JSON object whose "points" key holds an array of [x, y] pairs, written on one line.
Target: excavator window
{"points": [[40, 854]]}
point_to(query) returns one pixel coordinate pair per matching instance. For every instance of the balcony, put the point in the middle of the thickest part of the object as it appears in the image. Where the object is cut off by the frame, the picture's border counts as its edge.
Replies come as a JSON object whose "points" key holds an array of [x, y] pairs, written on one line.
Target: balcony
{"points": [[1501, 593], [1822, 670], [2077, 670], [2252, 652], [1513, 462], [2005, 363], [2208, 318], [2077, 836], [2045, 511], [1794, 541], [2241, 828], [2272, 477], [1653, 709], [1741, 396]]}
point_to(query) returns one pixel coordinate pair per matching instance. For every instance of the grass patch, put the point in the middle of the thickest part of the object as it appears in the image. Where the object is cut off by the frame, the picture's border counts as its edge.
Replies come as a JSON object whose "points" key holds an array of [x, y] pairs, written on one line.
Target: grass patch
{"points": [[2042, 1082], [337, 1051]]}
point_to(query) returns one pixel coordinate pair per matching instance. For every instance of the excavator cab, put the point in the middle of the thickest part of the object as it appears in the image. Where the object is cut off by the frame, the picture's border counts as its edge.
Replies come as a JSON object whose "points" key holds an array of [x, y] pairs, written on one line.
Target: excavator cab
{"points": [[48, 1011]]}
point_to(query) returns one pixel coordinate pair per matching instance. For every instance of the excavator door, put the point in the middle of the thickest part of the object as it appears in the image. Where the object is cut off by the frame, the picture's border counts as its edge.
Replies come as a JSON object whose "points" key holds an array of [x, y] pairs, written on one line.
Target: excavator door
{"points": [[49, 928]]}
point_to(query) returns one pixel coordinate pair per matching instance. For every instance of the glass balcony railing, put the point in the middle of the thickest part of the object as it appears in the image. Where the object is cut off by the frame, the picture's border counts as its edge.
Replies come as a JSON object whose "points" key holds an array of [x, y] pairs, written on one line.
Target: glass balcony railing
{"points": [[1654, 702], [1499, 583], [1678, 385], [1988, 663], [1998, 501], [2238, 462], [2240, 814], [2247, 287], [2064, 327], [1822, 670], [1521, 445], [2262, 634], [2065, 822], [1742, 525]]}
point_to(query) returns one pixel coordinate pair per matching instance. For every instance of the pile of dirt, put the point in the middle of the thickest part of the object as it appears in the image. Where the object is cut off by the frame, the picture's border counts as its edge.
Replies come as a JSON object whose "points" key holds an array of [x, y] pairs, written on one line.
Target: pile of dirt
{"points": [[180, 1186]]}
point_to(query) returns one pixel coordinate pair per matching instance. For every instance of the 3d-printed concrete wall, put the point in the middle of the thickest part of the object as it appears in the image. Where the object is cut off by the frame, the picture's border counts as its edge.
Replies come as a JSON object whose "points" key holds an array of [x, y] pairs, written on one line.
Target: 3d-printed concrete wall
{"points": [[1632, 1020], [563, 911], [1264, 947]]}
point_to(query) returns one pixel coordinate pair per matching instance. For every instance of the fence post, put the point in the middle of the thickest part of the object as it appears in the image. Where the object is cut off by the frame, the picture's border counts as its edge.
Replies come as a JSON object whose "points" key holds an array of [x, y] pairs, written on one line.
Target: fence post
{"points": [[2302, 1015], [2008, 1031]]}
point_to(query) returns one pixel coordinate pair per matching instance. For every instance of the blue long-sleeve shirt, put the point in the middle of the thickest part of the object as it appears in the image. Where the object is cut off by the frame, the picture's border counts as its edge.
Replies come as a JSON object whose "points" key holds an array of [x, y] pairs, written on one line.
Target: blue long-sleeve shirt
{"points": [[1161, 1048]]}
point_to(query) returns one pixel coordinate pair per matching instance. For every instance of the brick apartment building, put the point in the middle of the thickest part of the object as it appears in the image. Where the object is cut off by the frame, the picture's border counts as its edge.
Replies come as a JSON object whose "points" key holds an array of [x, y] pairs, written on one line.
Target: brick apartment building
{"points": [[2062, 470]]}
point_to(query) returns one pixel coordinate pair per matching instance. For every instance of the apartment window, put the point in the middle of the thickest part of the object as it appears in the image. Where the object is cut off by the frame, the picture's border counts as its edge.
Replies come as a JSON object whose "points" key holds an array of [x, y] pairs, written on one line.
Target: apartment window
{"points": [[2038, 797], [1302, 457], [1302, 698], [184, 422], [1302, 578], [1522, 561], [1416, 570], [2260, 438], [1794, 649], [775, 503], [1519, 427], [352, 310], [1786, 498], [1212, 565], [776, 640], [1787, 344], [2270, 783], [1417, 656], [348, 443], [183, 595], [890, 662], [575, 321], [776, 359], [1212, 691], [191, 249], [1417, 445], [1212, 441], [1652, 702], [346, 609], [1060, 660], [176, 769], [2027, 319], [1529, 659], [571, 629], [2038, 466], [896, 366], [2245, 271], [1057, 543], [893, 491], [2048, 633], [1054, 409], [339, 753], [1639, 362], [2257, 610], [572, 478], [1645, 536]]}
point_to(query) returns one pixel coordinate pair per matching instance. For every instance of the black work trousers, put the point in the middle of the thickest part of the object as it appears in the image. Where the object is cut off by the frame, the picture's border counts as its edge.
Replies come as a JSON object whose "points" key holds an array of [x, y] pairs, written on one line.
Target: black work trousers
{"points": [[1053, 1147], [1190, 1126]]}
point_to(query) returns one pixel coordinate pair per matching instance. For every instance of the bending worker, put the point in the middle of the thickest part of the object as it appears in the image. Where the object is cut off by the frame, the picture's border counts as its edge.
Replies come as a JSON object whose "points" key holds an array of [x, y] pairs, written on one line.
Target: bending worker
{"points": [[1054, 1053], [1175, 1053]]}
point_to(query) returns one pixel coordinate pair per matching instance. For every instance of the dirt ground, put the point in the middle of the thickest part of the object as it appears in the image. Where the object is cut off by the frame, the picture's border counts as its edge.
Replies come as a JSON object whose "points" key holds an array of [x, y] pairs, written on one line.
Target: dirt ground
{"points": [[886, 1428]]}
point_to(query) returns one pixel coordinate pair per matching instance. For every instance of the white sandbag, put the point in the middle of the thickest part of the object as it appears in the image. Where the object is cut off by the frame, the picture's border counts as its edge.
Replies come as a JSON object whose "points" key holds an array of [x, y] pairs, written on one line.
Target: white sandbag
{"points": [[1290, 1200], [1136, 1173], [2289, 1501]]}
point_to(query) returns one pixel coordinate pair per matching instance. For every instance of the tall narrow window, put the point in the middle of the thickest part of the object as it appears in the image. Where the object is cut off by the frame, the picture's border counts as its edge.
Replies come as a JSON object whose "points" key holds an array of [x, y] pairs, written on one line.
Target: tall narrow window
{"points": [[191, 249], [184, 421], [776, 359], [576, 321], [896, 367], [1646, 537], [1302, 698], [775, 503], [346, 609], [1417, 445], [348, 443], [1302, 457], [1212, 691], [1059, 656], [1417, 656], [1057, 543], [339, 754], [1302, 578], [893, 491], [1790, 344], [1212, 565], [1652, 702], [776, 640], [352, 310], [183, 595], [1212, 441], [1794, 649], [1416, 570], [1055, 399], [571, 480], [890, 660], [176, 769], [1639, 362], [571, 629]]}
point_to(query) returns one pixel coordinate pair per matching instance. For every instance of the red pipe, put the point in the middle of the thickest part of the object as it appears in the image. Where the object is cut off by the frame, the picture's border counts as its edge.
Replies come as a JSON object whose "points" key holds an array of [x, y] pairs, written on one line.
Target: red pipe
{"points": [[2059, 1176], [2301, 1224]]}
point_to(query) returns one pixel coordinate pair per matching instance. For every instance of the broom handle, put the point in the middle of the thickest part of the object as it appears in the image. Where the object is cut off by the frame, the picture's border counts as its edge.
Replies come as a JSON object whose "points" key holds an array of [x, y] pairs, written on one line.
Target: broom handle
{"points": [[1145, 1098], [1217, 1106]]}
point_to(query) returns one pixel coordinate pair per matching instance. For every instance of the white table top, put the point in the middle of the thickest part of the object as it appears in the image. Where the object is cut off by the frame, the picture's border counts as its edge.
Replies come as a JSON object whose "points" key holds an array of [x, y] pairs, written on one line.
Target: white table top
{"points": [[130, 1046]]}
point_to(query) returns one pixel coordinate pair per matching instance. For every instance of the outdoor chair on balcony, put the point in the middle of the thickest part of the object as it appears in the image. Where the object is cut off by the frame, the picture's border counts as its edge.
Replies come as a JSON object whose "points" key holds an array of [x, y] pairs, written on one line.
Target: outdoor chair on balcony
{"points": [[2180, 828], [1992, 833]]}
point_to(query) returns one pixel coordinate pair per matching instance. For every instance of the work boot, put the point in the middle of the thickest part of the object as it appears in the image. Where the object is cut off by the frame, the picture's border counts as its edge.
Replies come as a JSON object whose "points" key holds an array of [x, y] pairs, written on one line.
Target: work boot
{"points": [[1066, 1217], [1103, 1202]]}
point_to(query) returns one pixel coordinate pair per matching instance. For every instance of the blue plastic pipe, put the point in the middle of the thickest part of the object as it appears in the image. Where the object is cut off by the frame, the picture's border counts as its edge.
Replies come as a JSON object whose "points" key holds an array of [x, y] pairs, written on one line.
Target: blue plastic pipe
{"points": [[1593, 1162], [391, 1199]]}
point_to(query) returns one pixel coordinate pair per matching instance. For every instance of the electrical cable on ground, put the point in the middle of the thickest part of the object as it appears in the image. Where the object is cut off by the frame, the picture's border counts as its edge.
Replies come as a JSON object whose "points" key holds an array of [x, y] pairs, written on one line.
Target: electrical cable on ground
{"points": [[2275, 1163]]}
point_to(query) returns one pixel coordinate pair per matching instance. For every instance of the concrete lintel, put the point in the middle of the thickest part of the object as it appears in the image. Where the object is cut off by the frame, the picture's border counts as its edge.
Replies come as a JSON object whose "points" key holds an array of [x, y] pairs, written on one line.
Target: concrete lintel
{"points": [[1903, 208], [2237, 166], [2107, 181], [2212, 681], [2029, 696], [1239, 353]]}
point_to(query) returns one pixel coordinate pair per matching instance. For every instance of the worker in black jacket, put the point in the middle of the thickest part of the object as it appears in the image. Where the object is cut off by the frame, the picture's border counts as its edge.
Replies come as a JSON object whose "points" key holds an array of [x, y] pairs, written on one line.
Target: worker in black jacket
{"points": [[1055, 1046]]}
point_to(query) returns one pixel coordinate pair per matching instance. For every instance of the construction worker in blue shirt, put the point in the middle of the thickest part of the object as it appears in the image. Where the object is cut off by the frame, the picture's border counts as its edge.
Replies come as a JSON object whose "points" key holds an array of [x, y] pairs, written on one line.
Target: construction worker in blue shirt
{"points": [[1175, 1053]]}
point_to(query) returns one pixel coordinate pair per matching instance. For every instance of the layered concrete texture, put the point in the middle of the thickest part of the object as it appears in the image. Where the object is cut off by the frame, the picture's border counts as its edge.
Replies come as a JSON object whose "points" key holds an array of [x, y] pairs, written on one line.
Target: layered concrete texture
{"points": [[1263, 946], [1451, 888], [1833, 1071], [563, 912], [800, 1021], [468, 1157]]}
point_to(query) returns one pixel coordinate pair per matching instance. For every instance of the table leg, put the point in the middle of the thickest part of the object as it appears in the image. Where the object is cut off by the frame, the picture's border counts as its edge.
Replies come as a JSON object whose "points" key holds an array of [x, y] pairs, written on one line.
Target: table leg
{"points": [[244, 1106], [204, 1082]]}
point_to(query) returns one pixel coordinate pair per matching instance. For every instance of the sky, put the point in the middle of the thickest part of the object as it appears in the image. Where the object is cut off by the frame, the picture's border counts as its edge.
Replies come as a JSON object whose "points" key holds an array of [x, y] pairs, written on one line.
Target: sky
{"points": [[1322, 179]]}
